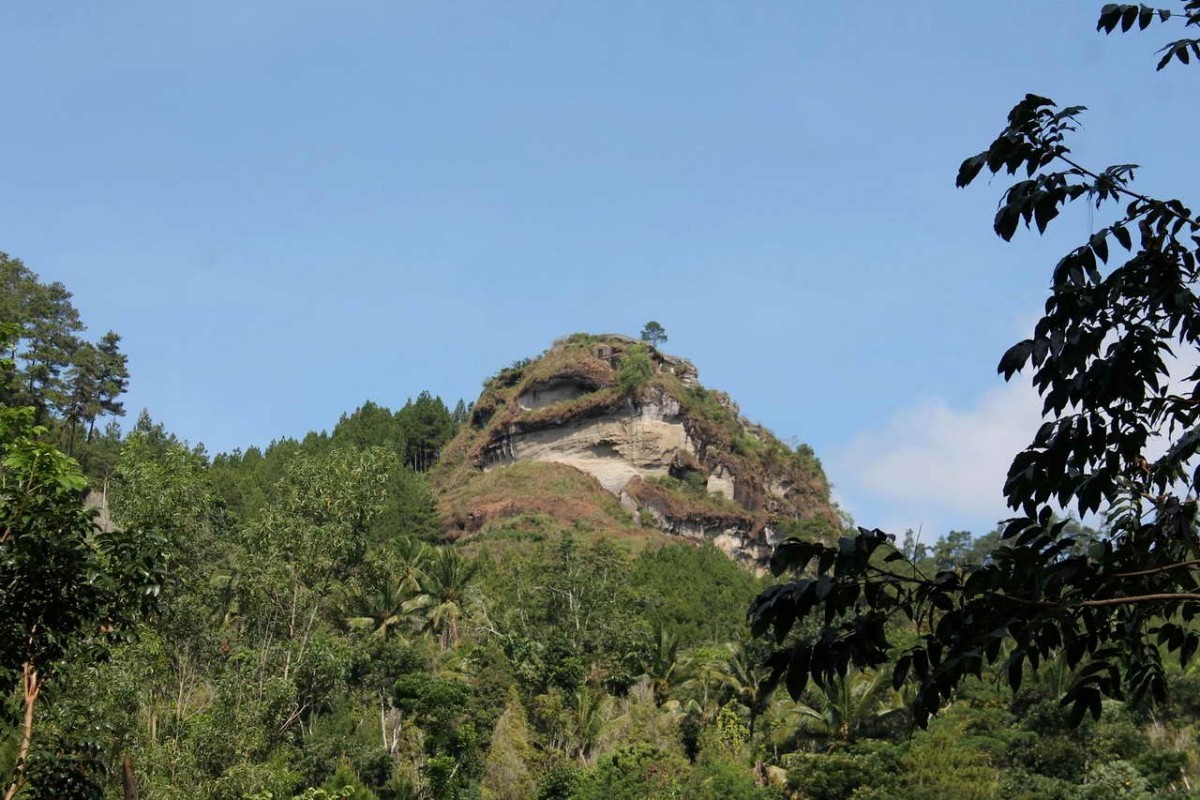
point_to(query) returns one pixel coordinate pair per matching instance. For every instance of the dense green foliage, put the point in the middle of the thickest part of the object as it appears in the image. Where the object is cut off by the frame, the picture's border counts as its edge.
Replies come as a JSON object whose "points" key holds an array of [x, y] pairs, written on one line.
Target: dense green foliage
{"points": [[301, 645], [635, 370], [319, 643], [68, 591], [415, 434], [69, 382]]}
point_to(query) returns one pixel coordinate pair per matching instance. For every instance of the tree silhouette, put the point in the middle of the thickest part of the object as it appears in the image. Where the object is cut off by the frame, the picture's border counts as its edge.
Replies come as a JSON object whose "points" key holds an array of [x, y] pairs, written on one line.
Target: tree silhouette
{"points": [[654, 334], [1099, 359]]}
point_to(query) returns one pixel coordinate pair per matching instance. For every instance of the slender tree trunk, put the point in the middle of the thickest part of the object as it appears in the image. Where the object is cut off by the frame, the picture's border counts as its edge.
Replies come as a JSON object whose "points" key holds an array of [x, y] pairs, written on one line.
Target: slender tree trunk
{"points": [[31, 685], [180, 693], [287, 661], [383, 722]]}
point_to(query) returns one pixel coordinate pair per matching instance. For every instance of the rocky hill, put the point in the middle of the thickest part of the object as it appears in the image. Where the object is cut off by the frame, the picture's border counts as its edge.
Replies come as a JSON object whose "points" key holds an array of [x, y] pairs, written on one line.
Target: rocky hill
{"points": [[609, 434]]}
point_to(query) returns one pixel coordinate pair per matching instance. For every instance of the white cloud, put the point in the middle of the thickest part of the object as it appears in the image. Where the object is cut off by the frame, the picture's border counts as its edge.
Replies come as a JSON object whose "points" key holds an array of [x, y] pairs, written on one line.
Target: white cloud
{"points": [[937, 467], [938, 461]]}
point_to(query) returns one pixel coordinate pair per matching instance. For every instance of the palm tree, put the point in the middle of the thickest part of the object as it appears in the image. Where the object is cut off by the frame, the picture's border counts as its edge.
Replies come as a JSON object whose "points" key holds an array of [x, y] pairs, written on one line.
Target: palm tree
{"points": [[844, 707], [745, 677], [705, 675], [439, 605], [661, 663], [409, 557], [592, 721], [376, 605], [377, 601]]}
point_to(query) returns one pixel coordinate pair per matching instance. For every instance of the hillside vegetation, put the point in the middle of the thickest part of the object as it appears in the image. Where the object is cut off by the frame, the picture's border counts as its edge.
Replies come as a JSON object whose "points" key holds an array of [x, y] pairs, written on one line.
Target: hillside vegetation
{"points": [[294, 622]]}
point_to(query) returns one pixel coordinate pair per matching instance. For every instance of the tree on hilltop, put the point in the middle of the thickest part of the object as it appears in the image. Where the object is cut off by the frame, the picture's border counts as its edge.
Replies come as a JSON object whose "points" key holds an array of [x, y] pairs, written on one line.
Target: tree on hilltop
{"points": [[53, 369], [427, 425], [654, 333]]}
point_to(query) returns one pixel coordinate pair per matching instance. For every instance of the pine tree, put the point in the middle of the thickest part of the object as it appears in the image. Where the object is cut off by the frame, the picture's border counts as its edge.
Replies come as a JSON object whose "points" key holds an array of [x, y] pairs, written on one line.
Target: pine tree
{"points": [[427, 425], [82, 392], [112, 378], [460, 413], [49, 345]]}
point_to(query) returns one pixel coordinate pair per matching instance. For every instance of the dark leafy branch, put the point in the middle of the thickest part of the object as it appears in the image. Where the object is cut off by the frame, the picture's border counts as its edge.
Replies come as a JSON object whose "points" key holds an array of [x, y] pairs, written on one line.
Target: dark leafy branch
{"points": [[1121, 308], [1126, 15]]}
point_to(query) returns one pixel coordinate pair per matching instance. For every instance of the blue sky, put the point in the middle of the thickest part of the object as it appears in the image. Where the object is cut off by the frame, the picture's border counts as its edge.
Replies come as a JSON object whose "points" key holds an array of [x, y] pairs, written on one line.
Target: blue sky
{"points": [[287, 208]]}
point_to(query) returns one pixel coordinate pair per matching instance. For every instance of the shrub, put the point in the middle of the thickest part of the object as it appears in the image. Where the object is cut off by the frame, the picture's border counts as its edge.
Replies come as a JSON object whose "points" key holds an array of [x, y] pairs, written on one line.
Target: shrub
{"points": [[1115, 780], [579, 340], [635, 370], [836, 776], [1161, 768], [633, 772], [1021, 785]]}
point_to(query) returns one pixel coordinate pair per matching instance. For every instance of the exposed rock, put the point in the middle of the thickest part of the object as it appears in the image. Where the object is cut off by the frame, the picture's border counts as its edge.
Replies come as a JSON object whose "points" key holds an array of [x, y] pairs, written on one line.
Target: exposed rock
{"points": [[687, 373], [99, 502], [673, 453], [721, 482], [554, 391]]}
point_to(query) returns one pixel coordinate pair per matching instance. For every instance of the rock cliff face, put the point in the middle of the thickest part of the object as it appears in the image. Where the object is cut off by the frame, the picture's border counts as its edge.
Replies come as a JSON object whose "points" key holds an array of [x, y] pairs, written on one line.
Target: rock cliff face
{"points": [[633, 438], [678, 457]]}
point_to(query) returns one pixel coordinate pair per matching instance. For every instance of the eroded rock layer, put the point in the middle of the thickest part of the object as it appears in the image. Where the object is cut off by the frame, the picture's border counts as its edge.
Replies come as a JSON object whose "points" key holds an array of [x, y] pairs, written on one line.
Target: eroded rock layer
{"points": [[677, 456]]}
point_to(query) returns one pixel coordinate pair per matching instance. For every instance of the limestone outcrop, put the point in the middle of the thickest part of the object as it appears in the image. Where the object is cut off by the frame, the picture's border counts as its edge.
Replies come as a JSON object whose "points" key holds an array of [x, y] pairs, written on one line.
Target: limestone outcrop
{"points": [[678, 457], [640, 438]]}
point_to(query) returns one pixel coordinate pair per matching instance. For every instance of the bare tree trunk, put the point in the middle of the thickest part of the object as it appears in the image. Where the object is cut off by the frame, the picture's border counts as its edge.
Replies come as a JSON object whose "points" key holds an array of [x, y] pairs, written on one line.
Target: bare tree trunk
{"points": [[31, 685], [383, 722], [287, 660]]}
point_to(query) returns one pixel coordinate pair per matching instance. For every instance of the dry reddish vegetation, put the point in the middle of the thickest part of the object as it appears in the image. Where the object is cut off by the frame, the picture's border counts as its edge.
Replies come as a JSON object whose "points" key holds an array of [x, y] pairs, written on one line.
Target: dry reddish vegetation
{"points": [[472, 500], [532, 487]]}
